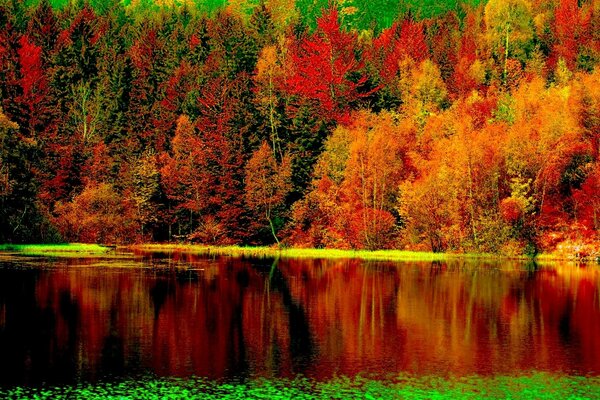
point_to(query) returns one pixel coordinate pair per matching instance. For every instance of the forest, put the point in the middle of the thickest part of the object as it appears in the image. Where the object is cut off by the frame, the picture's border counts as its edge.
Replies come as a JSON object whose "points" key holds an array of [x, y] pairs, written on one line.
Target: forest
{"points": [[464, 127]]}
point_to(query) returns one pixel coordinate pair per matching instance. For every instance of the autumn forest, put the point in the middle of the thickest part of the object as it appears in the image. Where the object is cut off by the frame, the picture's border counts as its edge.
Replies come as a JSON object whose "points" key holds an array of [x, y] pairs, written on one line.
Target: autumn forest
{"points": [[468, 128]]}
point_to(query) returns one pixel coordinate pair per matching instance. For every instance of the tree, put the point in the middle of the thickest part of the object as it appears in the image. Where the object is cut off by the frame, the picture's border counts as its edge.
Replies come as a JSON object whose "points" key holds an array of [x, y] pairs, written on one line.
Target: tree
{"points": [[268, 78], [6, 126], [588, 202], [21, 217], [374, 170], [96, 215], [357, 178], [326, 67], [180, 173], [267, 183], [570, 31], [509, 26], [426, 92], [397, 43], [33, 100], [144, 190], [469, 71], [222, 134]]}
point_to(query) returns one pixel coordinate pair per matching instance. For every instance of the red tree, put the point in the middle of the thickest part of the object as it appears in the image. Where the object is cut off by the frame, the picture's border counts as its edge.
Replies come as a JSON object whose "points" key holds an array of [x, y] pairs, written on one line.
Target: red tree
{"points": [[327, 69], [33, 84], [571, 31], [398, 42]]}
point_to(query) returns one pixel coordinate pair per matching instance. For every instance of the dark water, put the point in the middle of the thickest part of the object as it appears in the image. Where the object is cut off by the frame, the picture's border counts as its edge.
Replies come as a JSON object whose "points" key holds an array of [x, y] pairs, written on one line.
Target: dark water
{"points": [[68, 322]]}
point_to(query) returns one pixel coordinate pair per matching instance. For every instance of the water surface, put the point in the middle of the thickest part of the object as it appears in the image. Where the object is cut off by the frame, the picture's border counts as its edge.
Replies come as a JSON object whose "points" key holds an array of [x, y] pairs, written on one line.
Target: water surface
{"points": [[186, 321]]}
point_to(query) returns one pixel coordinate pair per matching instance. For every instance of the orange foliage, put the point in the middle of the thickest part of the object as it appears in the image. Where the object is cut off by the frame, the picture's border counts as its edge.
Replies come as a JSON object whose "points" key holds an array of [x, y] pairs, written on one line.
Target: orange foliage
{"points": [[360, 172], [96, 215]]}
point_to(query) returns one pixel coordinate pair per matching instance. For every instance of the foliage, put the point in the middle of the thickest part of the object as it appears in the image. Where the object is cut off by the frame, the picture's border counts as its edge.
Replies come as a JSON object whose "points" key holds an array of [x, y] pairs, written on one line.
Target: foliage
{"points": [[267, 184], [425, 127]]}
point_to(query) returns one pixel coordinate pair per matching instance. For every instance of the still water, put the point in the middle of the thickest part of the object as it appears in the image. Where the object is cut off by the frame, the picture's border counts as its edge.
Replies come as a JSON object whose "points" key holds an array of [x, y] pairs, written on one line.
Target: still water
{"points": [[206, 322]]}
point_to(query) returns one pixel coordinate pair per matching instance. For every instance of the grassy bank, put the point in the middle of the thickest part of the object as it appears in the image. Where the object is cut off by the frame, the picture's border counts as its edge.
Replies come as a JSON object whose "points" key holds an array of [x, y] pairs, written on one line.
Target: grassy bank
{"points": [[57, 250], [95, 250], [383, 255]]}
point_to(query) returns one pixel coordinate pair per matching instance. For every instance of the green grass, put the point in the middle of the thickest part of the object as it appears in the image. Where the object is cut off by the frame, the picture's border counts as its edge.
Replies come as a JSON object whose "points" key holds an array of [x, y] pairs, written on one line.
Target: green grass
{"points": [[56, 250], [76, 250], [404, 386], [384, 255]]}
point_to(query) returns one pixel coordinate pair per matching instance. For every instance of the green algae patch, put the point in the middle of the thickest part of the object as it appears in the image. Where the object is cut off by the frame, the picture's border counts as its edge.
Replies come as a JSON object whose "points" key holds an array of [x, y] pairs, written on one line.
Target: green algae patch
{"points": [[534, 386], [58, 250]]}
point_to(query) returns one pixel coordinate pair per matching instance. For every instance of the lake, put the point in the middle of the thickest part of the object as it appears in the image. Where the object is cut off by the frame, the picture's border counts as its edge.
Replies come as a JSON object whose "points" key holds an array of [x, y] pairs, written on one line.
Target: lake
{"points": [[153, 325]]}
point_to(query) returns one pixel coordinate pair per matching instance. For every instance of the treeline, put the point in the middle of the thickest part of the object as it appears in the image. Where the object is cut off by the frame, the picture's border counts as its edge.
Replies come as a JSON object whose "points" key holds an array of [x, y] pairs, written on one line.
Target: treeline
{"points": [[472, 130]]}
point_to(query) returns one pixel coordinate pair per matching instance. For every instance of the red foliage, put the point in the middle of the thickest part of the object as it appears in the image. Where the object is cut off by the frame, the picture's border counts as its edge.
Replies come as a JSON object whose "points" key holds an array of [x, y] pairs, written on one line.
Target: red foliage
{"points": [[587, 200], [33, 81], [326, 66], [481, 110], [223, 172], [175, 90], [571, 30], [194, 41], [142, 52], [64, 177], [462, 81], [399, 42], [97, 166], [86, 25], [511, 210]]}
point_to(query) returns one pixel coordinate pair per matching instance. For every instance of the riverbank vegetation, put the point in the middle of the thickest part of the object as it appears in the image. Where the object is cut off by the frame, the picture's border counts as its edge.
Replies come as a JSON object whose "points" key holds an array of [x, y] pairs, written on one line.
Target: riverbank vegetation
{"points": [[468, 128], [58, 250], [367, 255]]}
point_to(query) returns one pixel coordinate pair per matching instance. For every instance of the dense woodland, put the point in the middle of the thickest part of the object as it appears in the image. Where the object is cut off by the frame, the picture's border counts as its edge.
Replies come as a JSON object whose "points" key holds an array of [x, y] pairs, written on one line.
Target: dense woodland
{"points": [[472, 128]]}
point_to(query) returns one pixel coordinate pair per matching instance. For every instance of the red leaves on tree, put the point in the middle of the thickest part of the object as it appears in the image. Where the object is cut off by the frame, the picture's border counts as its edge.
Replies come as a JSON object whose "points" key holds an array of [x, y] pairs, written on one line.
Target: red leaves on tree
{"points": [[571, 30], [30, 58], [327, 68], [462, 80], [205, 173], [223, 172], [143, 52], [33, 81], [398, 42], [85, 25], [175, 90], [587, 200], [511, 210]]}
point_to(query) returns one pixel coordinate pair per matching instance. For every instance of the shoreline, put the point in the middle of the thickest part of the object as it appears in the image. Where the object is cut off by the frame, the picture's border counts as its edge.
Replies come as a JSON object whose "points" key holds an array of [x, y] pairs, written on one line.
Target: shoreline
{"points": [[381, 255], [91, 250]]}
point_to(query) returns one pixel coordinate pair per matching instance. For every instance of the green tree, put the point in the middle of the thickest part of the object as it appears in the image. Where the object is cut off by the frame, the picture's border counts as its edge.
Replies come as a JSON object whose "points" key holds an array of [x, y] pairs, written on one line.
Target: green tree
{"points": [[509, 24]]}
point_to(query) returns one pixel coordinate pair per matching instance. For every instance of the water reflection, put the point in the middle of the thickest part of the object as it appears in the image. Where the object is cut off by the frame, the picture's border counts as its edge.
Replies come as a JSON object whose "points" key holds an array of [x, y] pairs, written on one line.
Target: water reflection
{"points": [[229, 318]]}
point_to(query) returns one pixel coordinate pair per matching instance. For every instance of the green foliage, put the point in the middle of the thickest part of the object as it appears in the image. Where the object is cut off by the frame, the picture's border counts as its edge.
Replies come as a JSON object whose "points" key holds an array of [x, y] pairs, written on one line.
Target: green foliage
{"points": [[21, 219], [356, 14], [505, 111]]}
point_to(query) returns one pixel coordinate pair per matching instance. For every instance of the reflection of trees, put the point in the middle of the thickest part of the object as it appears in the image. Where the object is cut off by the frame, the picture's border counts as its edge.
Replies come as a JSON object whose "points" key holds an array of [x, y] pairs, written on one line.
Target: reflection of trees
{"points": [[29, 350], [450, 317], [301, 346], [233, 317]]}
